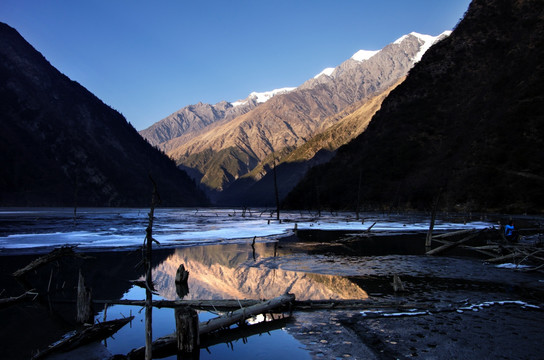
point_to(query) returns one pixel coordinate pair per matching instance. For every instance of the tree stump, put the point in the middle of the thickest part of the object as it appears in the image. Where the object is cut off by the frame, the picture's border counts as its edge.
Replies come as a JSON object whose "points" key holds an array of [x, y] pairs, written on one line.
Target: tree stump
{"points": [[84, 302], [182, 285], [187, 331]]}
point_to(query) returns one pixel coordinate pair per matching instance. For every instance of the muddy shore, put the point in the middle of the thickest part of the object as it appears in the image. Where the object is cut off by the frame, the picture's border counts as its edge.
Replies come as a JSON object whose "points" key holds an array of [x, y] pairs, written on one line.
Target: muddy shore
{"points": [[451, 308]]}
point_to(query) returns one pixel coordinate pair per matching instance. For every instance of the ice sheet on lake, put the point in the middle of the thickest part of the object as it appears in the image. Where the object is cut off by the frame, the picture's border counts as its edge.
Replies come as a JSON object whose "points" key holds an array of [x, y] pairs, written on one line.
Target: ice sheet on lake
{"points": [[115, 228]]}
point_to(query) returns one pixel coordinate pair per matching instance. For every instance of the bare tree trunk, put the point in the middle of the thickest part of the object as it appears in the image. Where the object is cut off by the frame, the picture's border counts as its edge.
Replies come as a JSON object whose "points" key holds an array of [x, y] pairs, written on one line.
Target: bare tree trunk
{"points": [[359, 194], [84, 302], [148, 276], [188, 338], [429, 238], [276, 191]]}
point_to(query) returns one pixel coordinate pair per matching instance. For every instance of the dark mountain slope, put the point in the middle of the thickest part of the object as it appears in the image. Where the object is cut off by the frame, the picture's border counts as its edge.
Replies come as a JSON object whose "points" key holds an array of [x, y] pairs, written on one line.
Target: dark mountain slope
{"points": [[467, 123], [257, 187], [227, 150], [61, 145]]}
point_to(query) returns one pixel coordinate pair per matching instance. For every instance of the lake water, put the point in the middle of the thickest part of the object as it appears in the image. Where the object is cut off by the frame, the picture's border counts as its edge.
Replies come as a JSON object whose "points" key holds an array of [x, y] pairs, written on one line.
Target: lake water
{"points": [[107, 228], [215, 245]]}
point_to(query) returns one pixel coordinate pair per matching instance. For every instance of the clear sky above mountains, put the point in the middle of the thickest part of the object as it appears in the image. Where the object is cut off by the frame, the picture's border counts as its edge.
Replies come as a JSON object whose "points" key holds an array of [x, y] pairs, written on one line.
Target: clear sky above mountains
{"points": [[149, 59]]}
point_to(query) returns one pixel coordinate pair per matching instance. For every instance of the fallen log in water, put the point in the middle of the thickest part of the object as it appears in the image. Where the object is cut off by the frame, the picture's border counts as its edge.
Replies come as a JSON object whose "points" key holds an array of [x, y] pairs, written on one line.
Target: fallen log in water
{"points": [[42, 260], [452, 233], [221, 322], [17, 299], [213, 305], [230, 335], [89, 334], [450, 245], [234, 304], [480, 249]]}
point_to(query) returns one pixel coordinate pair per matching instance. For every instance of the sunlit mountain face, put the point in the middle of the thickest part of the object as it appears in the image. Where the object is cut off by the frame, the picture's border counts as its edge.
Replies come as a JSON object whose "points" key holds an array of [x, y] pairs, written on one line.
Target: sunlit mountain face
{"points": [[236, 272]]}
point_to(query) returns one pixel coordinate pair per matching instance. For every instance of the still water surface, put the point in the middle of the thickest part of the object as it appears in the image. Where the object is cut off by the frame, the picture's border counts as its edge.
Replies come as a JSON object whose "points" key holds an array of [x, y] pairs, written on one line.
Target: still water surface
{"points": [[215, 245]]}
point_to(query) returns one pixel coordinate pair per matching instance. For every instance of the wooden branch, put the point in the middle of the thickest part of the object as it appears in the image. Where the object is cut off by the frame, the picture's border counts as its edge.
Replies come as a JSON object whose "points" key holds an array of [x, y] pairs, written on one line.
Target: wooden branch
{"points": [[234, 304], [52, 256], [533, 268], [453, 233], [92, 333], [480, 249], [452, 245], [502, 258], [371, 226], [17, 299]]}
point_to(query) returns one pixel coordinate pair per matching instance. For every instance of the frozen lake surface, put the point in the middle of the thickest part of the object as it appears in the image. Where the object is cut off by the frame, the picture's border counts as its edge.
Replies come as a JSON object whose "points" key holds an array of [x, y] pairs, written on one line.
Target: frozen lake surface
{"points": [[40, 229]]}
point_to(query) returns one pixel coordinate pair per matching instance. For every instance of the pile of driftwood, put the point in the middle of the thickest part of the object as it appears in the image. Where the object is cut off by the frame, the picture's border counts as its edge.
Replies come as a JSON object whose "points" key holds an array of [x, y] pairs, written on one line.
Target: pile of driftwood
{"points": [[491, 244]]}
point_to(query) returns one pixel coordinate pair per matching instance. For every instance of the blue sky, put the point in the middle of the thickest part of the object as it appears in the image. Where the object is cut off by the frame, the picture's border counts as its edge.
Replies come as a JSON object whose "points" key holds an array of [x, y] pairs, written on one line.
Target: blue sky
{"points": [[148, 59]]}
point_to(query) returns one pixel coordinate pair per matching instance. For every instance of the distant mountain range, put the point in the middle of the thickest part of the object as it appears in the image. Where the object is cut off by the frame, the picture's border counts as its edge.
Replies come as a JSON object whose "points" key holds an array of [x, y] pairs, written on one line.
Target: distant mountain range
{"points": [[466, 127], [220, 145], [457, 119], [62, 146]]}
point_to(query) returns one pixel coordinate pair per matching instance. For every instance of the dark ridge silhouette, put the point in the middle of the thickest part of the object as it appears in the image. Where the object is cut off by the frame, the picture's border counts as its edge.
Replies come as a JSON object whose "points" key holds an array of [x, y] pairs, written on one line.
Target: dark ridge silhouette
{"points": [[62, 146], [467, 123]]}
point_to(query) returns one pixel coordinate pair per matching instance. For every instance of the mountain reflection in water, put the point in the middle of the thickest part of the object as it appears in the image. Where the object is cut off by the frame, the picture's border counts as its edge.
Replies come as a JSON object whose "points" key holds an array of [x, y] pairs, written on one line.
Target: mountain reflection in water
{"points": [[234, 272]]}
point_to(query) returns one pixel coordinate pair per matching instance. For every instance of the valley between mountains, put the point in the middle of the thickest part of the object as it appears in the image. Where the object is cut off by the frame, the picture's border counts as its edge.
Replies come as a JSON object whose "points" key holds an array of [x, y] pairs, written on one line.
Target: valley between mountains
{"points": [[231, 148], [453, 121]]}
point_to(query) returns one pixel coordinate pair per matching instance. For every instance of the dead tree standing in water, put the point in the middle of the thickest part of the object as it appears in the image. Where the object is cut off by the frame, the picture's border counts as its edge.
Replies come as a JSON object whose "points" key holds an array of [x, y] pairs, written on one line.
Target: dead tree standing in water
{"points": [[276, 195], [148, 242]]}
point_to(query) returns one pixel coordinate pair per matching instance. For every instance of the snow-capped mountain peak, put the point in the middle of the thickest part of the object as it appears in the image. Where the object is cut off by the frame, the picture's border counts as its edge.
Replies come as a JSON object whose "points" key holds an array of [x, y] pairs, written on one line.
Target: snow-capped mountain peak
{"points": [[327, 71], [363, 55], [262, 97], [427, 41]]}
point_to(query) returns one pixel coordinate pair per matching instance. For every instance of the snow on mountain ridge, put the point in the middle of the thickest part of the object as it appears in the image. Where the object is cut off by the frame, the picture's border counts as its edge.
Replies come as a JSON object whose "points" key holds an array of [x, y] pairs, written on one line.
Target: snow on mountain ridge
{"points": [[327, 71], [363, 55], [428, 41], [262, 97], [265, 96]]}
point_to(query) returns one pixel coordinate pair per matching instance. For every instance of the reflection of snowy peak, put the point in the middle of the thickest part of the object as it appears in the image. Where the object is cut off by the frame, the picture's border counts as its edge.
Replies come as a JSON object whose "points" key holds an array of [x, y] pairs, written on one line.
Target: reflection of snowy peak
{"points": [[225, 276]]}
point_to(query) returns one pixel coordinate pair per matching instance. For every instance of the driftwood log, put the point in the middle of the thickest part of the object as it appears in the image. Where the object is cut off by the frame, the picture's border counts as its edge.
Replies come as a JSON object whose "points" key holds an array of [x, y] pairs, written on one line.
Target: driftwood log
{"points": [[234, 304], [42, 260], [218, 323], [451, 245], [225, 336], [89, 334], [84, 302], [29, 295], [496, 252]]}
